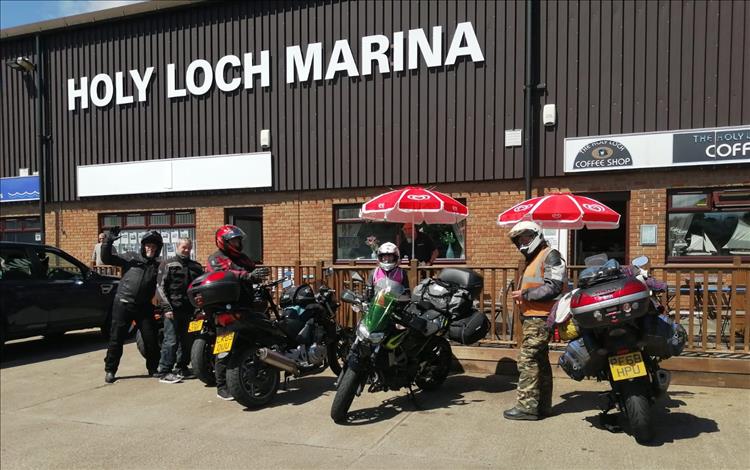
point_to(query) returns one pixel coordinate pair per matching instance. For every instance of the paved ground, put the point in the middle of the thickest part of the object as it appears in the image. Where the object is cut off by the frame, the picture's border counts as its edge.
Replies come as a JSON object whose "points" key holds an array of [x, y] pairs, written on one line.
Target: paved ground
{"points": [[56, 412]]}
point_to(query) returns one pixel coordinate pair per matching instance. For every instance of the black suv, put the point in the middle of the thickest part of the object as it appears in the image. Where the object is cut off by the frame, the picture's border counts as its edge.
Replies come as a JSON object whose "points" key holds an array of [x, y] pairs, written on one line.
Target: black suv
{"points": [[45, 291]]}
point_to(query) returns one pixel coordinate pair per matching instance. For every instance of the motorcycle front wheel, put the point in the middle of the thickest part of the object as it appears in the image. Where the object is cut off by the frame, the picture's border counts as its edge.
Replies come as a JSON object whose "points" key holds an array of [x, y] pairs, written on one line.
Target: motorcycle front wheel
{"points": [[344, 395], [251, 382], [202, 359], [435, 364], [638, 411]]}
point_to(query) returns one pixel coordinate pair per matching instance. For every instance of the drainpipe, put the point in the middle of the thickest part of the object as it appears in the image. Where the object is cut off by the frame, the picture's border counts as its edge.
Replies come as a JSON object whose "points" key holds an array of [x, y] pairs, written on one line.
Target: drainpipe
{"points": [[40, 136], [527, 105]]}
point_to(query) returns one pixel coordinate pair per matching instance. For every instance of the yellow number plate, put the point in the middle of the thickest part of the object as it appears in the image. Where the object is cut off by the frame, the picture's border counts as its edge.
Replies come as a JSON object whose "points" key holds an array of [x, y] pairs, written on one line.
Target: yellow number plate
{"points": [[223, 343], [627, 366], [195, 325]]}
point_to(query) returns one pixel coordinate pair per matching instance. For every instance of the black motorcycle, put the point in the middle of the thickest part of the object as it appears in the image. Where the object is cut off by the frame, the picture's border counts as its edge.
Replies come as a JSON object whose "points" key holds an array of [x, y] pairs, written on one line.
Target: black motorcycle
{"points": [[261, 341], [202, 351], [623, 337]]}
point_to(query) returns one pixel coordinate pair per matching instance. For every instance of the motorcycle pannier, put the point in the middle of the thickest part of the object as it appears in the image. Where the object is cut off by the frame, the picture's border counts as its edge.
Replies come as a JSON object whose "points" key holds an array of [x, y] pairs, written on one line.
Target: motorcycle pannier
{"points": [[469, 330], [662, 337], [463, 278], [218, 287], [580, 360], [610, 303]]}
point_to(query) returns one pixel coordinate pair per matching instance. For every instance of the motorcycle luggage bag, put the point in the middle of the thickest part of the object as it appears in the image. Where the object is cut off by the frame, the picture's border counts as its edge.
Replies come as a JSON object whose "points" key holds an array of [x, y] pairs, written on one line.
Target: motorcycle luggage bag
{"points": [[610, 303], [662, 337], [469, 330], [464, 279], [215, 288], [580, 359], [444, 297]]}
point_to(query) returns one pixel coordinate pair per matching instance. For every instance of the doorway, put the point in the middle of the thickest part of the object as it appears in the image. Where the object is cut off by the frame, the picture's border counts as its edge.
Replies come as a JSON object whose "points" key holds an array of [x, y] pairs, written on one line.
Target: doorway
{"points": [[612, 242], [250, 220]]}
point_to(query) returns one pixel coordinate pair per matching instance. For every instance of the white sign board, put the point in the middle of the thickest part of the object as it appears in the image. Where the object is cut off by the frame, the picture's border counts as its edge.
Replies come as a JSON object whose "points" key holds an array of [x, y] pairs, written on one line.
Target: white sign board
{"points": [[658, 149], [250, 170]]}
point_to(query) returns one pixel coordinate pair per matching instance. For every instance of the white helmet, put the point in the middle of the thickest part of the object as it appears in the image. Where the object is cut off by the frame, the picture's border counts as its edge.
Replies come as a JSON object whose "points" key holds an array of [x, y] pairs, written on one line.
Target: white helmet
{"points": [[388, 256], [531, 229]]}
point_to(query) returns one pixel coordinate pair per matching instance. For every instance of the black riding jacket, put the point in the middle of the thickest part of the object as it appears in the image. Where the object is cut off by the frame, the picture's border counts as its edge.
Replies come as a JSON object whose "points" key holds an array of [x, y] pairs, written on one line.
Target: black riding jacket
{"points": [[138, 282], [175, 275]]}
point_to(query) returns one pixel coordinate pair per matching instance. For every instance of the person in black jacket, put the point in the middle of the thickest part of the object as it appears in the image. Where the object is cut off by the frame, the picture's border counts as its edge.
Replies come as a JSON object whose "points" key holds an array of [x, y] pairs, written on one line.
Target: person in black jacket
{"points": [[175, 275], [230, 257], [133, 300]]}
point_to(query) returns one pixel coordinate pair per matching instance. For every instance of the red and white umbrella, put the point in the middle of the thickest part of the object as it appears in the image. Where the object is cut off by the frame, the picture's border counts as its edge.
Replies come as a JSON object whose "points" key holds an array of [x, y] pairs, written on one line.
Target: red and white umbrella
{"points": [[416, 206], [561, 211]]}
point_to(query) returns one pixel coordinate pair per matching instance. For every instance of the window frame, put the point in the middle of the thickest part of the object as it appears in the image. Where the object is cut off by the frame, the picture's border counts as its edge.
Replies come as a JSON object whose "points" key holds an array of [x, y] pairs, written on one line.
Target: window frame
{"points": [[147, 217], [712, 195]]}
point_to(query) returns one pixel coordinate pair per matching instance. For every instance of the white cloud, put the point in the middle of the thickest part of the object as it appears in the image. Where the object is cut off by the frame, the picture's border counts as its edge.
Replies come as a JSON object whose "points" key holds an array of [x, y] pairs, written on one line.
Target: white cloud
{"points": [[76, 7]]}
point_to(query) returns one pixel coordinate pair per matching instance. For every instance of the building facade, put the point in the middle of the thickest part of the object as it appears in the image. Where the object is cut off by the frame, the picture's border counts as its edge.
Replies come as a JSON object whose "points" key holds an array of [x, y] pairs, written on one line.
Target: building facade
{"points": [[283, 117]]}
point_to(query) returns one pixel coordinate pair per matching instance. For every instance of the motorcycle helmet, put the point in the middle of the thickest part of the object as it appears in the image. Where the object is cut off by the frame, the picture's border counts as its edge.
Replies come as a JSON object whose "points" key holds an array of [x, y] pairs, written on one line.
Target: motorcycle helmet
{"points": [[388, 256], [226, 233], [152, 237], [527, 236]]}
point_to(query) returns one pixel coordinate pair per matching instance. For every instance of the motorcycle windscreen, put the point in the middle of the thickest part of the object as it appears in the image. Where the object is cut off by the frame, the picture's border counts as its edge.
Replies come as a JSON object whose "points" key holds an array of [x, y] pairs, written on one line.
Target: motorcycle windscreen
{"points": [[378, 314]]}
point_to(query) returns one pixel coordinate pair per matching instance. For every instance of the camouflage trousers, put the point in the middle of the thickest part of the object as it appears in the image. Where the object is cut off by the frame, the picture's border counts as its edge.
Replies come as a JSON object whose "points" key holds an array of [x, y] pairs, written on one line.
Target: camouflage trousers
{"points": [[534, 393]]}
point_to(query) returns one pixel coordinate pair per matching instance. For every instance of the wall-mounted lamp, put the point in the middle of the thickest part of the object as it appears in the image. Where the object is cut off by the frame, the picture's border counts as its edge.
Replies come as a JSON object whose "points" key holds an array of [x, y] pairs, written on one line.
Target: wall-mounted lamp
{"points": [[21, 63]]}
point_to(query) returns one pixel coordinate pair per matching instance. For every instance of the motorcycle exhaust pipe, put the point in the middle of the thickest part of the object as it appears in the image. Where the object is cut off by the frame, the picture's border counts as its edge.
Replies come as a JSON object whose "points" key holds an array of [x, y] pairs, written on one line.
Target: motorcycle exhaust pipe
{"points": [[272, 358]]}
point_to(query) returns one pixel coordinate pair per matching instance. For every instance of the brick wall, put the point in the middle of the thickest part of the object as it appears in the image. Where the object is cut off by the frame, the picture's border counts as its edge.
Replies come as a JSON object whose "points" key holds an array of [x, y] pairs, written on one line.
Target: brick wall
{"points": [[300, 225]]}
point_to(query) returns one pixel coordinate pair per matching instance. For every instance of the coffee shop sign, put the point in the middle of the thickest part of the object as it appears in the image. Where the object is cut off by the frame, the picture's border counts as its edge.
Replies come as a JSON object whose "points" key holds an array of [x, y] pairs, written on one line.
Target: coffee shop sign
{"points": [[229, 73]]}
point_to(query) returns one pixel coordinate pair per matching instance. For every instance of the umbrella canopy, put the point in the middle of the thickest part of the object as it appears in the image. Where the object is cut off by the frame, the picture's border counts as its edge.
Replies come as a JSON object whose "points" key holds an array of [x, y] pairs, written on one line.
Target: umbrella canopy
{"points": [[416, 206], [561, 211]]}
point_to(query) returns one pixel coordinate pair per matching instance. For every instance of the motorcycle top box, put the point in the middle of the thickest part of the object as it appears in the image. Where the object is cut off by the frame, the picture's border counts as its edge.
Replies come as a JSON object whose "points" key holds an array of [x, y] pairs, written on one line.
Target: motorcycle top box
{"points": [[463, 278], [216, 288], [610, 303]]}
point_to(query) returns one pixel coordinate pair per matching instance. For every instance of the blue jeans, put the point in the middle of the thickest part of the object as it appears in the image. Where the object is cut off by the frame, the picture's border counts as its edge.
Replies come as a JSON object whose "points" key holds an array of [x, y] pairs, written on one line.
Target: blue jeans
{"points": [[177, 342]]}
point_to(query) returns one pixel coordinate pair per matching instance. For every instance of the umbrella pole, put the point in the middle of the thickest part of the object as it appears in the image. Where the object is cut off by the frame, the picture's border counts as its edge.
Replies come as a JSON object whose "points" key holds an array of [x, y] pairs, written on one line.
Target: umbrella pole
{"points": [[413, 229]]}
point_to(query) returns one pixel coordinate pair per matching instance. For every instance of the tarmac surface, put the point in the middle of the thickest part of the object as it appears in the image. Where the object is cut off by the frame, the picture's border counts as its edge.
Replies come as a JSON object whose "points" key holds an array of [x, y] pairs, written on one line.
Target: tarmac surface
{"points": [[57, 412]]}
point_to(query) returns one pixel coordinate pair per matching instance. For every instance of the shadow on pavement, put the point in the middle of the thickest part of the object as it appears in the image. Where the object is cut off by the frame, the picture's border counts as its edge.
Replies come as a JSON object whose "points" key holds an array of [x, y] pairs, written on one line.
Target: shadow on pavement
{"points": [[301, 391], [450, 394], [669, 426], [37, 349]]}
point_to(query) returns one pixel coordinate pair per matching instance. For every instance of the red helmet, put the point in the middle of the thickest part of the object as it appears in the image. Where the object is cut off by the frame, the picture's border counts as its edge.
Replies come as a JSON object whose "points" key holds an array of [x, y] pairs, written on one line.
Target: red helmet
{"points": [[226, 233]]}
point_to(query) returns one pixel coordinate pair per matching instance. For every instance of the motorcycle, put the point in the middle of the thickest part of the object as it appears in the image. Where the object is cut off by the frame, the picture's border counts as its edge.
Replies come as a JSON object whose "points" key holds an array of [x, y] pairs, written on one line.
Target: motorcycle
{"points": [[401, 339], [261, 341], [201, 353], [624, 334]]}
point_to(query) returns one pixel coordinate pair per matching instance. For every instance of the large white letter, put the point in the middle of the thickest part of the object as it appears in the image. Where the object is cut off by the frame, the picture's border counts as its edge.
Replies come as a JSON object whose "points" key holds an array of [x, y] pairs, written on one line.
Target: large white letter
{"points": [[368, 55], [313, 60], [82, 93], [464, 30], [398, 51], [141, 84], [208, 77], [108, 90], [340, 51], [120, 89], [431, 54], [173, 92], [221, 83], [263, 68]]}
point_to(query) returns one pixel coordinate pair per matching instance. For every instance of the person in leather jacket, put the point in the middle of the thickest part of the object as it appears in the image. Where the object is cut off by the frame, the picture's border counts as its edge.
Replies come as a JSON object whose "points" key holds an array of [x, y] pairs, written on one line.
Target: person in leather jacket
{"points": [[229, 257], [175, 275], [132, 301]]}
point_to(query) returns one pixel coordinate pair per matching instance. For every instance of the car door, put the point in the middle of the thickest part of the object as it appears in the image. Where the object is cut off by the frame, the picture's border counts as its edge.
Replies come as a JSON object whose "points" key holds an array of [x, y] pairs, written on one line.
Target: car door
{"points": [[20, 291], [73, 301]]}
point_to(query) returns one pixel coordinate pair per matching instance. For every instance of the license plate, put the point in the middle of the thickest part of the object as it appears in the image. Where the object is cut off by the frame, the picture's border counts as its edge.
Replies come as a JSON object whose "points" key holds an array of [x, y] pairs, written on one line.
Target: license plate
{"points": [[195, 325], [627, 366], [223, 343]]}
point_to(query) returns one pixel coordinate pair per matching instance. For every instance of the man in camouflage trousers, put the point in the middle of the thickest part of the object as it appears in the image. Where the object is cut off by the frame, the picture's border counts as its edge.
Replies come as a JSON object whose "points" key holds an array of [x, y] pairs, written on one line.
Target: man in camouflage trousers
{"points": [[544, 280]]}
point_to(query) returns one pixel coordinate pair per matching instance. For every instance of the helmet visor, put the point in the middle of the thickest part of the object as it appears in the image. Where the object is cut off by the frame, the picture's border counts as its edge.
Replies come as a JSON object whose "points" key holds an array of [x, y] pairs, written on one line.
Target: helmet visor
{"points": [[387, 257], [523, 238]]}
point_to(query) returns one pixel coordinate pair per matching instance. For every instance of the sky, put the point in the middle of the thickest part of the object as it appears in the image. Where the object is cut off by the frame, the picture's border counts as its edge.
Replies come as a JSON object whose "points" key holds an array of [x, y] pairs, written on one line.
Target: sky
{"points": [[19, 12]]}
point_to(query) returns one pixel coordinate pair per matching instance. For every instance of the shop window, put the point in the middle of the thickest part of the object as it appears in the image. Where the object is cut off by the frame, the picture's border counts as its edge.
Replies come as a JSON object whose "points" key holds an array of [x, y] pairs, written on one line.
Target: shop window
{"points": [[20, 229], [708, 225], [358, 239], [172, 225]]}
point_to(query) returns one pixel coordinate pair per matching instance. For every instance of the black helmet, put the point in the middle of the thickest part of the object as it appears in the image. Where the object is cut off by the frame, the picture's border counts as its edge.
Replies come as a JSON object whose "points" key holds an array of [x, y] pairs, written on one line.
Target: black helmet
{"points": [[155, 238], [297, 295]]}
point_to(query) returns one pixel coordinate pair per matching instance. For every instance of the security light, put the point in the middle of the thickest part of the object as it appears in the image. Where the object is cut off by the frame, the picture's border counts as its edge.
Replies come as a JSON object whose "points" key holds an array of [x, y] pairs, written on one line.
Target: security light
{"points": [[21, 63]]}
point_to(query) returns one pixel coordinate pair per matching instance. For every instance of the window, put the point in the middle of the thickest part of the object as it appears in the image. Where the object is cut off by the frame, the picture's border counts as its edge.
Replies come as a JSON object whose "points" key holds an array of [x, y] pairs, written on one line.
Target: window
{"points": [[172, 225], [708, 225], [15, 264], [58, 268], [358, 239], [20, 229]]}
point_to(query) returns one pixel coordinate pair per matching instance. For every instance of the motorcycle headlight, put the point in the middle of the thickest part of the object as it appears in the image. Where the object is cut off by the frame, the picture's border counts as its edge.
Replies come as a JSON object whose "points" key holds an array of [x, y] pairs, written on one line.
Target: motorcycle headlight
{"points": [[364, 334]]}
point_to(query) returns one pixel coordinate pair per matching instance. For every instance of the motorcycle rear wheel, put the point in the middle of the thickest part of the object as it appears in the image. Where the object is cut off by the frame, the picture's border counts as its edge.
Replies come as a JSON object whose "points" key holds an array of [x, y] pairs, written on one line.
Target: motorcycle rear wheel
{"points": [[338, 351], [438, 364], [344, 397], [251, 382], [638, 411], [202, 359]]}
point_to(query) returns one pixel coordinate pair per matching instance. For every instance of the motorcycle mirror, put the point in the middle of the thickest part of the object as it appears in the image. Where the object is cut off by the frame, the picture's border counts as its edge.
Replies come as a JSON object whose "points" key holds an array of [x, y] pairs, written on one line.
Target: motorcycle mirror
{"points": [[357, 278], [641, 262], [327, 272], [349, 297]]}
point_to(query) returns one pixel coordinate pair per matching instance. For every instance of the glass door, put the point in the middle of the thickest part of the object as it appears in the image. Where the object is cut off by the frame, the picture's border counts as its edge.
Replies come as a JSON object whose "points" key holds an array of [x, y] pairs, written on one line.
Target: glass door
{"points": [[250, 220]]}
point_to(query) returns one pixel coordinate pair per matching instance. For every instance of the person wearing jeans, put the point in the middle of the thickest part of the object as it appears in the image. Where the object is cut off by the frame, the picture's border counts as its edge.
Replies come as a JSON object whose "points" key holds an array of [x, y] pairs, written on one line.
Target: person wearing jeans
{"points": [[175, 275]]}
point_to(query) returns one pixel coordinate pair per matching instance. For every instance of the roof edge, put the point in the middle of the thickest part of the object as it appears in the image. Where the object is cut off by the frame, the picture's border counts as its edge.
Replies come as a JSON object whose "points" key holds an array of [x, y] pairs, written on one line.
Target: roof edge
{"points": [[92, 17]]}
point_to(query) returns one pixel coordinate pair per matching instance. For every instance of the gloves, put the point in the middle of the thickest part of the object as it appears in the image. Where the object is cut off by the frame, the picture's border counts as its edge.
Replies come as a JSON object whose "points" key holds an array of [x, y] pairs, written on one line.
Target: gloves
{"points": [[256, 276], [113, 233]]}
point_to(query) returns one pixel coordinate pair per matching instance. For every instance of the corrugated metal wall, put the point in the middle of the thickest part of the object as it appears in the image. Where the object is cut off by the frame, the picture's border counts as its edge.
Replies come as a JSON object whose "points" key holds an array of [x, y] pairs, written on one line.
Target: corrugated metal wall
{"points": [[610, 67]]}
